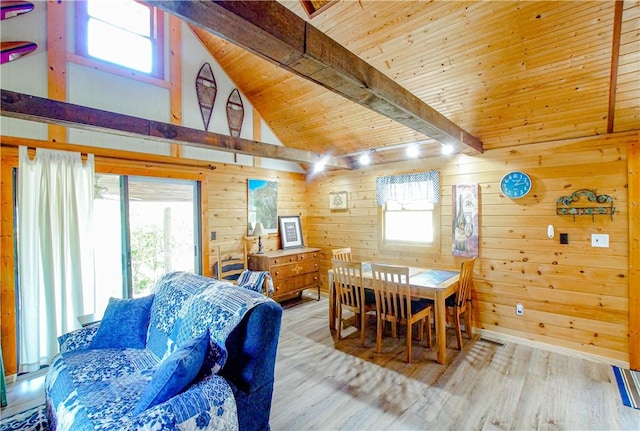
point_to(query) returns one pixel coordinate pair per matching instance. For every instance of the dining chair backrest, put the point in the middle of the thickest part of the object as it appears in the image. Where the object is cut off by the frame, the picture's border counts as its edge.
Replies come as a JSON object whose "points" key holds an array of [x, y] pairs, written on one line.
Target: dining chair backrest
{"points": [[347, 277], [463, 296], [343, 254], [392, 290]]}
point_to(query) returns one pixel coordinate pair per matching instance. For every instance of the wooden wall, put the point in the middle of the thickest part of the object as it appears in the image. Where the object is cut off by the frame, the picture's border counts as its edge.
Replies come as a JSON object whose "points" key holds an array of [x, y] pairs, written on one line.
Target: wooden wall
{"points": [[575, 296], [627, 109], [224, 203]]}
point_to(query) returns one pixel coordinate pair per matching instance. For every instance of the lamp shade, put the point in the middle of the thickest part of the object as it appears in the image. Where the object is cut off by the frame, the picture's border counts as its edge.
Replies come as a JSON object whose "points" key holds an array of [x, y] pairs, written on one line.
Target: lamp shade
{"points": [[259, 230]]}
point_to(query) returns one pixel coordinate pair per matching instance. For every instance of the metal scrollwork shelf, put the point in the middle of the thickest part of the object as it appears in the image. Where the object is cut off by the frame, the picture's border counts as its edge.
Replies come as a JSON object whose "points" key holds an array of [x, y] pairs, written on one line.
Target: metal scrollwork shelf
{"points": [[569, 205]]}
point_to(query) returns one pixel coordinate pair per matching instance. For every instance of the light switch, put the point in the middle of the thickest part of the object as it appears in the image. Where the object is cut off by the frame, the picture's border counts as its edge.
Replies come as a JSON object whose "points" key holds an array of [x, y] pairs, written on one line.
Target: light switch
{"points": [[599, 240]]}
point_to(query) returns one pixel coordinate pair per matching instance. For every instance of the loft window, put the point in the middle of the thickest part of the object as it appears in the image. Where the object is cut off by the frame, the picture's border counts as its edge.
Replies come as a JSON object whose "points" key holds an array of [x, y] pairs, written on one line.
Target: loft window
{"points": [[124, 32], [316, 7]]}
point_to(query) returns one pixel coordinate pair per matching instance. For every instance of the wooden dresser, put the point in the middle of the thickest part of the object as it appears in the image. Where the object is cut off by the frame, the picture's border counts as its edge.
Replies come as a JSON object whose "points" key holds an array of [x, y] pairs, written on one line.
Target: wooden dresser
{"points": [[292, 270]]}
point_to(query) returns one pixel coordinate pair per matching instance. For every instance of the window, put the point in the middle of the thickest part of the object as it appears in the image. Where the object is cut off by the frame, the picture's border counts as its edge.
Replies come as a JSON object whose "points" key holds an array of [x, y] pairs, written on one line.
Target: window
{"points": [[122, 32], [410, 223], [408, 206]]}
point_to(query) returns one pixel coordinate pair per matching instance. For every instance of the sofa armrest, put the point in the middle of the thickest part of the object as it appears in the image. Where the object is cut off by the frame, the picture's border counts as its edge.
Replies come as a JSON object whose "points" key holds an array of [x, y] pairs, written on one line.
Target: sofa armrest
{"points": [[79, 339], [250, 366]]}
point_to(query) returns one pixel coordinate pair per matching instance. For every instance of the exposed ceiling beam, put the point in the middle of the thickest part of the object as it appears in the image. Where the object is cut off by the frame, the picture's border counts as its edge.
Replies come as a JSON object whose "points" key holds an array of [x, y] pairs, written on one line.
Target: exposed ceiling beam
{"points": [[32, 108], [276, 34]]}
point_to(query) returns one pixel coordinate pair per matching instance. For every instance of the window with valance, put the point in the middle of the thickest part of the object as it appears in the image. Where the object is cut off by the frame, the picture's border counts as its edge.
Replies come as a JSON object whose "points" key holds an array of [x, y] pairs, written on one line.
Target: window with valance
{"points": [[408, 203]]}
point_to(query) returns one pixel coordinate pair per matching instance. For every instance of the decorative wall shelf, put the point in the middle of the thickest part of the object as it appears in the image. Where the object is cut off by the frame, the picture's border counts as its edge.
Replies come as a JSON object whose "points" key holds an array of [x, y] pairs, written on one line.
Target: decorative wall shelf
{"points": [[575, 205]]}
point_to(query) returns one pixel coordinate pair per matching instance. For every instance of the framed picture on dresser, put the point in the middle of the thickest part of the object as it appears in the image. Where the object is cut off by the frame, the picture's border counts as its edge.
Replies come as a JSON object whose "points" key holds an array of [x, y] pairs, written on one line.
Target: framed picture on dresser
{"points": [[290, 232]]}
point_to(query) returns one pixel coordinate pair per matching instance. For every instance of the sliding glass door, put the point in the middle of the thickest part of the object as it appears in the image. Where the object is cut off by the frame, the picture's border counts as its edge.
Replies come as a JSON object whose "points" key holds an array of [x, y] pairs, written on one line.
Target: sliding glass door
{"points": [[144, 227]]}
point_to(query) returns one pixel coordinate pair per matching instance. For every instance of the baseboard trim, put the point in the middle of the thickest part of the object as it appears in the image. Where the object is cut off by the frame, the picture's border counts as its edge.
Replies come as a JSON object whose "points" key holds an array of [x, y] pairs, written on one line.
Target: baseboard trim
{"points": [[499, 337]]}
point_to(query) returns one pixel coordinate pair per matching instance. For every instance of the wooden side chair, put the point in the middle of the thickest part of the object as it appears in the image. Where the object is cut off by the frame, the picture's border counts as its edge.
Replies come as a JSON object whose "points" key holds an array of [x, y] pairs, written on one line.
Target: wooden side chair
{"points": [[460, 303], [343, 254], [393, 304], [230, 261], [231, 265], [347, 277]]}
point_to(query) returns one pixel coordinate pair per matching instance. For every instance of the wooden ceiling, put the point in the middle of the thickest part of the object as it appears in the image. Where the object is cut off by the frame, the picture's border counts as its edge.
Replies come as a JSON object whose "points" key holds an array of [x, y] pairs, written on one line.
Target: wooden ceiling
{"points": [[509, 73]]}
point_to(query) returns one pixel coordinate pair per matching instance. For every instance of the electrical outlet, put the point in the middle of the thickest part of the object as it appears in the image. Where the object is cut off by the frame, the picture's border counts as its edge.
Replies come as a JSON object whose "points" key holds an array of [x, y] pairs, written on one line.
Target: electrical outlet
{"points": [[213, 235], [599, 240], [519, 309]]}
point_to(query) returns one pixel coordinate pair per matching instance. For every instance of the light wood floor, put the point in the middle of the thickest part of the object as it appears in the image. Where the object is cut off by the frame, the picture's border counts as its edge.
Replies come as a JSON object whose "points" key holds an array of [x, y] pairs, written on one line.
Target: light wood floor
{"points": [[487, 386]]}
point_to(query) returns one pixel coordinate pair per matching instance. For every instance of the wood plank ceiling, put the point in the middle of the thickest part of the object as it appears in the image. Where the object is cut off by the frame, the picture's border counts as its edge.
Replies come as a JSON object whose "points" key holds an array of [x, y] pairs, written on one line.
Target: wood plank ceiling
{"points": [[509, 73]]}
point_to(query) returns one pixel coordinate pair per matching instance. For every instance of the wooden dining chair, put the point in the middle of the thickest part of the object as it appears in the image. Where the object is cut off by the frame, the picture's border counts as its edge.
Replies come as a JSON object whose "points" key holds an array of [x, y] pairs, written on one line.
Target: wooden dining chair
{"points": [[460, 302], [393, 304], [343, 254], [347, 278]]}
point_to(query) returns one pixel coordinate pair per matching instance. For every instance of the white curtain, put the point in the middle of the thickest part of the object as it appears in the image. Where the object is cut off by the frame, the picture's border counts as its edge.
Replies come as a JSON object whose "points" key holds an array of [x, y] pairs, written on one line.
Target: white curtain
{"points": [[55, 250], [408, 188]]}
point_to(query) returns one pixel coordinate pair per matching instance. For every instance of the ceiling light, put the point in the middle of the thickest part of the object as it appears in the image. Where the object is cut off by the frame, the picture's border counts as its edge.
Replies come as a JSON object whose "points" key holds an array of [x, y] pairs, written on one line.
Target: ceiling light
{"points": [[413, 151], [365, 158], [447, 149], [319, 166]]}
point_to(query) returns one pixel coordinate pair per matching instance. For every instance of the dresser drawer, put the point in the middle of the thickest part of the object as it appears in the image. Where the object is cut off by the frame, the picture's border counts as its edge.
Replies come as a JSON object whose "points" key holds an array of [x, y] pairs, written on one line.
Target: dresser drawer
{"points": [[307, 256], [293, 269], [295, 284]]}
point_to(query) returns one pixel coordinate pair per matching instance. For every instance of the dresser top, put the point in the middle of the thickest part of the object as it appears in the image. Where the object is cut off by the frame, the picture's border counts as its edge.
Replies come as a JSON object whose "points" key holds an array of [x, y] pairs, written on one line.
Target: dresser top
{"points": [[287, 252]]}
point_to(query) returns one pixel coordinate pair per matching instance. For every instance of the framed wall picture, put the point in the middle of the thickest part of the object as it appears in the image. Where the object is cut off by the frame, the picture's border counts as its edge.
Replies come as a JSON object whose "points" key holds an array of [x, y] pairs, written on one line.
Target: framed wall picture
{"points": [[262, 205], [338, 200], [290, 232], [465, 220]]}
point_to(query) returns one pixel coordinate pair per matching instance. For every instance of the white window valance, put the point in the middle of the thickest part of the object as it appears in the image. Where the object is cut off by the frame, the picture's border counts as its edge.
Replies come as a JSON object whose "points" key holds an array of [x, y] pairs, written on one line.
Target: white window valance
{"points": [[408, 188]]}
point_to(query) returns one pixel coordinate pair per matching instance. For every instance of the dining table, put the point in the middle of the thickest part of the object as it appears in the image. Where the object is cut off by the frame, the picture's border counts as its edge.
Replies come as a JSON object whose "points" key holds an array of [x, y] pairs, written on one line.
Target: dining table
{"points": [[430, 283]]}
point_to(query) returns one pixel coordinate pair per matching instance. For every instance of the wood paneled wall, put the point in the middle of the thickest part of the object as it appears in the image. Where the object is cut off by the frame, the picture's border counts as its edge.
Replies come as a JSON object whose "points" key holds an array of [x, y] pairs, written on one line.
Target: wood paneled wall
{"points": [[224, 203], [575, 296], [627, 112]]}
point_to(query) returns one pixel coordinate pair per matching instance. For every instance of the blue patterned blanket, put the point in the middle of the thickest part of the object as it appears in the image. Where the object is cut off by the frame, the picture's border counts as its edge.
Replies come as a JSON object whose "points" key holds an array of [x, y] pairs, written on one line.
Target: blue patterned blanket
{"points": [[97, 389]]}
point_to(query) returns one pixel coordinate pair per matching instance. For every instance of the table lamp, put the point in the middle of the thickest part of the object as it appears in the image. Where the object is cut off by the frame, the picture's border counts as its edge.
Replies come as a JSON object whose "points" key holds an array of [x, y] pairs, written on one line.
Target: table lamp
{"points": [[259, 232]]}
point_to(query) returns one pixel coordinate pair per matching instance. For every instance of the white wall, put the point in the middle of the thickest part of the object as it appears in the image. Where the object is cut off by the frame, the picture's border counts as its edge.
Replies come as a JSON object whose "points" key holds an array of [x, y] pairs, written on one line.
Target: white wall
{"points": [[88, 86]]}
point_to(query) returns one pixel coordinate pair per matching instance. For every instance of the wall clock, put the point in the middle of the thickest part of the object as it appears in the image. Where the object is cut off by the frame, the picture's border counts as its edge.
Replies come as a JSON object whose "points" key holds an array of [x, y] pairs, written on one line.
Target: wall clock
{"points": [[515, 184]]}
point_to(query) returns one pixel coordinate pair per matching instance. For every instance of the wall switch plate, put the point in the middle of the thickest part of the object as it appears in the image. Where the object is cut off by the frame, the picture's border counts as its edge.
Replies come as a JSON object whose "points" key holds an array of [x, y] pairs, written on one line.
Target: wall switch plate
{"points": [[519, 309], [564, 238], [213, 235], [550, 231], [599, 240]]}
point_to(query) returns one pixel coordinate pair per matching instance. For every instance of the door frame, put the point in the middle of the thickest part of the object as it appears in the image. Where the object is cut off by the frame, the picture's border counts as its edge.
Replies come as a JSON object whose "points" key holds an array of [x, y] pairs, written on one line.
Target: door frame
{"points": [[633, 164]]}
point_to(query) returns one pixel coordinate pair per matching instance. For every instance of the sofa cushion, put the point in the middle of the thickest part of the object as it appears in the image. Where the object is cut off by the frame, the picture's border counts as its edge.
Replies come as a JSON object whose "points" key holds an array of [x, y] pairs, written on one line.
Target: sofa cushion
{"points": [[124, 324], [171, 292], [175, 373], [220, 308]]}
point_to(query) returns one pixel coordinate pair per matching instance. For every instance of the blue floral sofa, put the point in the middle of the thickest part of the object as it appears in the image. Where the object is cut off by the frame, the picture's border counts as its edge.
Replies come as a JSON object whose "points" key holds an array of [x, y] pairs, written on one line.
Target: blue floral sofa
{"points": [[197, 354]]}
